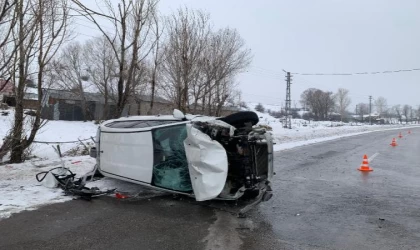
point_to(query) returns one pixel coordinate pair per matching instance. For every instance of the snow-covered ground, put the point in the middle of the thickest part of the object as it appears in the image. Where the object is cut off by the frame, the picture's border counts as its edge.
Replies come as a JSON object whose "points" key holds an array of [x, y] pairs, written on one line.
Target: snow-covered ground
{"points": [[304, 132], [19, 189], [53, 131]]}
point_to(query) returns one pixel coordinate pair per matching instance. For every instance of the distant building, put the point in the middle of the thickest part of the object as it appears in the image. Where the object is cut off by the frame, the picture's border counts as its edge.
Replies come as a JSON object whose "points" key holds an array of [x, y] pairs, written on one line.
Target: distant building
{"points": [[365, 118], [140, 105], [7, 92], [67, 105]]}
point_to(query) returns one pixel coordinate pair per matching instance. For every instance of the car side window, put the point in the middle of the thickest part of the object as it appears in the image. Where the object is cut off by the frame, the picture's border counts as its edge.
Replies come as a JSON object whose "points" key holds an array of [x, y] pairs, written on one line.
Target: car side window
{"points": [[170, 162], [170, 140]]}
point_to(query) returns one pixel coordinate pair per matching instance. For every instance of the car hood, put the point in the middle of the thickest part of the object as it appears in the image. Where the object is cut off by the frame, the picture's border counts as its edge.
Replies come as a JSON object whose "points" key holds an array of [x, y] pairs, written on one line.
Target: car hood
{"points": [[207, 163]]}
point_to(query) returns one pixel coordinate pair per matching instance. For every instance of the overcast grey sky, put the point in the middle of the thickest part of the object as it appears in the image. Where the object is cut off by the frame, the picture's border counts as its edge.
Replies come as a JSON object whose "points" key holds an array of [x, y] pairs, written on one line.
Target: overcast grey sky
{"points": [[323, 36]]}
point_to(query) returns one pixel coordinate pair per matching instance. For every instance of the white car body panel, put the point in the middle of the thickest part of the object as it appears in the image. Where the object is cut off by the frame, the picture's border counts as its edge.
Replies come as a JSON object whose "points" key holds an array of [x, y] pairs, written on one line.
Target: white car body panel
{"points": [[207, 162], [128, 155]]}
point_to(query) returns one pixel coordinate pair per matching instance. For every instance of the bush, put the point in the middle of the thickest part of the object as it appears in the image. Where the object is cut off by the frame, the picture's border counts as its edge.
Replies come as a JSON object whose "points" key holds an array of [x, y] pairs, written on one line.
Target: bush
{"points": [[243, 105], [260, 108]]}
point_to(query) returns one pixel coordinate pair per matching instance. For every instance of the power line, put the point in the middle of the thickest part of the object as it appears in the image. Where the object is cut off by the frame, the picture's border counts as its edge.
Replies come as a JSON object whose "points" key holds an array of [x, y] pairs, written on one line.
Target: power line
{"points": [[271, 97], [358, 73], [270, 71], [280, 74], [256, 73]]}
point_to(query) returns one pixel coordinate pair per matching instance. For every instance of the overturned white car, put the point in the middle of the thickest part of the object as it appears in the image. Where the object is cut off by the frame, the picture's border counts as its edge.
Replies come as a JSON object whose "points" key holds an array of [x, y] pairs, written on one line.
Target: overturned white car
{"points": [[203, 157]]}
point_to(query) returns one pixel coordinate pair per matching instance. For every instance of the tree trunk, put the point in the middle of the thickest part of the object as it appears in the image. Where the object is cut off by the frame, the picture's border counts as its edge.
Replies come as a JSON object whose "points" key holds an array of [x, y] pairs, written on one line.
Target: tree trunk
{"points": [[203, 102], [152, 98], [179, 96], [16, 143], [209, 105], [120, 105]]}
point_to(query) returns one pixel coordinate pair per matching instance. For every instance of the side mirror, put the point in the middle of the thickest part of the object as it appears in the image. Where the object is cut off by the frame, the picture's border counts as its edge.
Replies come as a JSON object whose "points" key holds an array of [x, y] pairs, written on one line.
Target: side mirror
{"points": [[178, 114]]}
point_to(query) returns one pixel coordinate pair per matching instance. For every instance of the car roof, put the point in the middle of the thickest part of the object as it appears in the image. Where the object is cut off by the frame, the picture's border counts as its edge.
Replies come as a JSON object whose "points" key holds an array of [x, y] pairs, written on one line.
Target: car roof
{"points": [[147, 118], [130, 120]]}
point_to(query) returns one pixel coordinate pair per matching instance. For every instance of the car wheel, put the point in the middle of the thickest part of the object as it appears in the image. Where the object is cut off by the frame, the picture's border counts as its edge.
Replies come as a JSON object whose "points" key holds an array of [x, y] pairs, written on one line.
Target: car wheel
{"points": [[239, 119], [251, 194]]}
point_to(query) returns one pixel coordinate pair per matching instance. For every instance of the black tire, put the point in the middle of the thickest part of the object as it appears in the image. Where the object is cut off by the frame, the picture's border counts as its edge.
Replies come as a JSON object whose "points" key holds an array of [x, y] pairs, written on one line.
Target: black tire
{"points": [[239, 119], [250, 194]]}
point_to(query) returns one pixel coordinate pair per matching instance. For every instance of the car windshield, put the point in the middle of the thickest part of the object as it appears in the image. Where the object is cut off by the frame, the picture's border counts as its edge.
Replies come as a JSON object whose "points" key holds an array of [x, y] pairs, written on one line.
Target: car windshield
{"points": [[170, 162]]}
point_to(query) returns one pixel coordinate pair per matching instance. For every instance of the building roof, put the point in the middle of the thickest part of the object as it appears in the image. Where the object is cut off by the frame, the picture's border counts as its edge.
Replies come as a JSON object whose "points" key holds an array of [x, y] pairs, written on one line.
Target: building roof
{"points": [[30, 96], [69, 95], [148, 98], [95, 97], [6, 87]]}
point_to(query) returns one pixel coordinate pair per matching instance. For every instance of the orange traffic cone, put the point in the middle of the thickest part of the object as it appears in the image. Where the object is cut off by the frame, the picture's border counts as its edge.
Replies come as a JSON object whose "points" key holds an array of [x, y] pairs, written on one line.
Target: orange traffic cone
{"points": [[394, 142], [400, 135], [365, 165]]}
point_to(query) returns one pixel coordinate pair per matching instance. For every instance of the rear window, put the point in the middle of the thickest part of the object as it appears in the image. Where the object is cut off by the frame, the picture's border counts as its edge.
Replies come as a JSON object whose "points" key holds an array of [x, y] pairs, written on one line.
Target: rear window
{"points": [[138, 124]]}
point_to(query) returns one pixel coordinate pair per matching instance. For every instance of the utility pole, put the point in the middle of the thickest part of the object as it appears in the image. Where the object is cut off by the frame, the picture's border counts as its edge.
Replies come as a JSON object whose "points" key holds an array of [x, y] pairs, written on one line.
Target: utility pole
{"points": [[288, 102], [370, 110]]}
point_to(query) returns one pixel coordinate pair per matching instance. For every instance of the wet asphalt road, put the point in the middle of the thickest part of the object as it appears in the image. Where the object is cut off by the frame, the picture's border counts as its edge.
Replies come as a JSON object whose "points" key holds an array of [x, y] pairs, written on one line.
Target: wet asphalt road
{"points": [[321, 202]]}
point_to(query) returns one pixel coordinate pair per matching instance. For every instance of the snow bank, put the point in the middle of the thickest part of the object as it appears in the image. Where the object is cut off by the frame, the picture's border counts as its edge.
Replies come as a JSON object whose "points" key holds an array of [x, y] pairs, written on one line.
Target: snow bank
{"points": [[19, 189], [62, 131], [304, 132]]}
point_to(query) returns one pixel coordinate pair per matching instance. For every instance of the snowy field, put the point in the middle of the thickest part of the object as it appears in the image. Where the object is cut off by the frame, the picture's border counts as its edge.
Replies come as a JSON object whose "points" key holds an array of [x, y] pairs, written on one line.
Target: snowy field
{"points": [[305, 133], [19, 190]]}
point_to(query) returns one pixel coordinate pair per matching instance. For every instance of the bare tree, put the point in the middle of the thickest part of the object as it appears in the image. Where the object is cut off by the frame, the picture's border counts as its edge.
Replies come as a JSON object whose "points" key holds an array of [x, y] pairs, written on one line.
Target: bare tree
{"points": [[342, 101], [130, 38], [5, 8], [380, 104], [140, 88], [187, 35], [412, 114], [224, 57], [40, 30], [361, 110], [418, 115], [8, 20], [70, 72], [320, 103], [406, 112], [224, 89], [157, 59], [103, 71], [396, 109]]}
